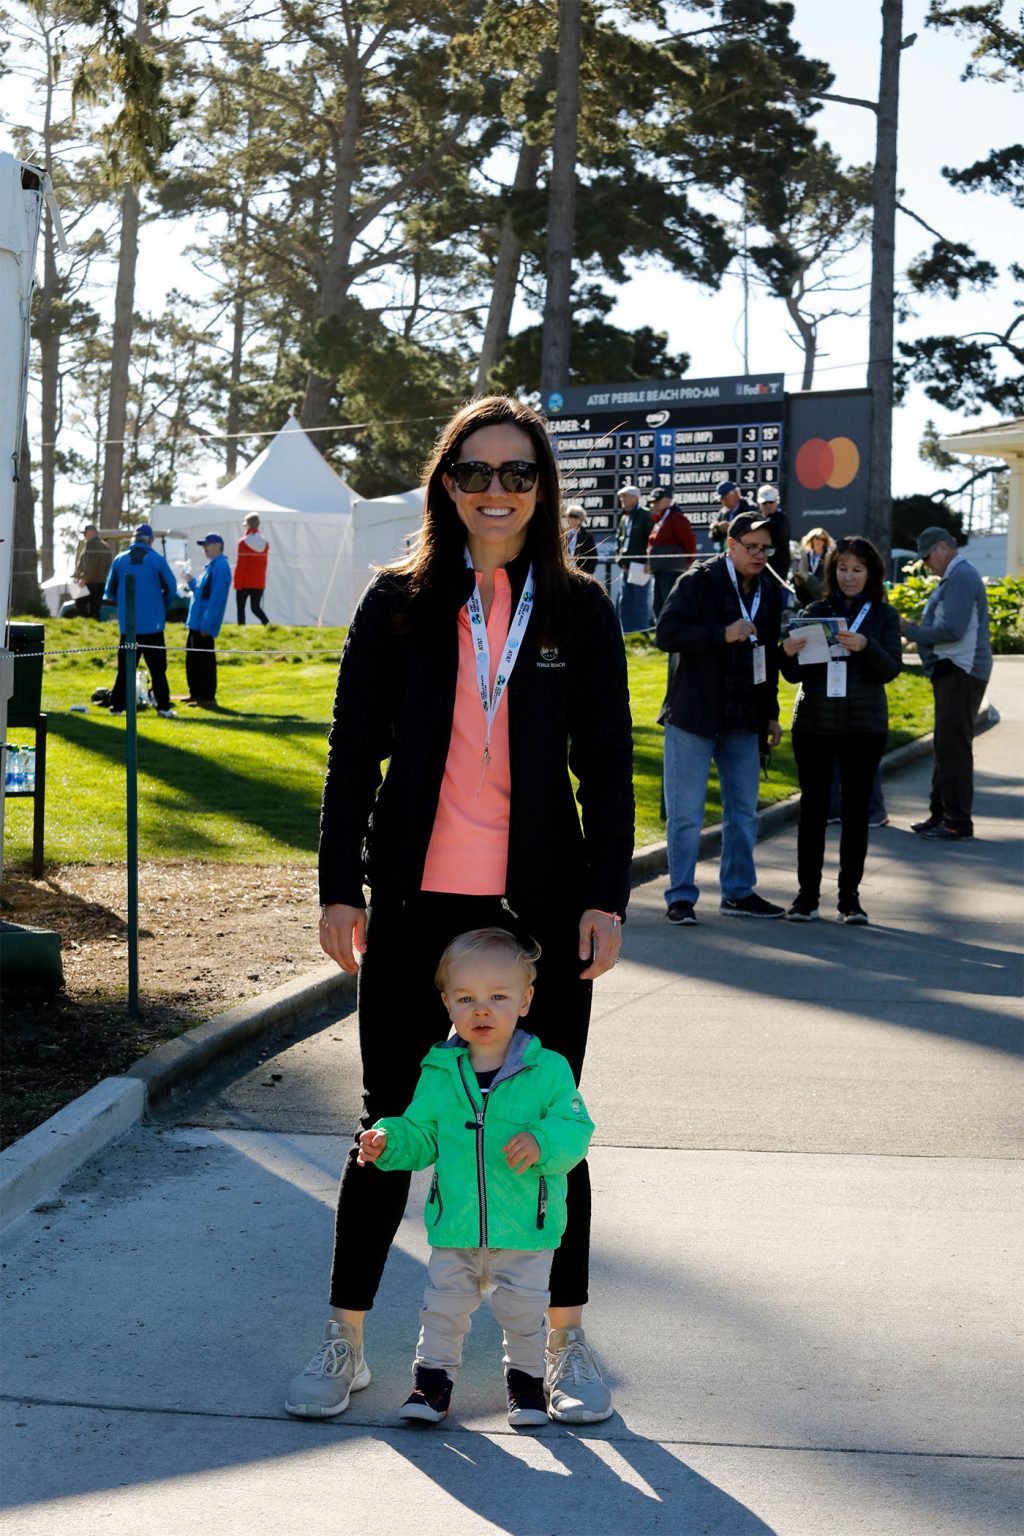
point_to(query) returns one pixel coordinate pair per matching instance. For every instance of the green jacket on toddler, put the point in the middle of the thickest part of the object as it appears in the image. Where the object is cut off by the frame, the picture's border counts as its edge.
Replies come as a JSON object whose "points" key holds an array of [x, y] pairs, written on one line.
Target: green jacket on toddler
{"points": [[476, 1200]]}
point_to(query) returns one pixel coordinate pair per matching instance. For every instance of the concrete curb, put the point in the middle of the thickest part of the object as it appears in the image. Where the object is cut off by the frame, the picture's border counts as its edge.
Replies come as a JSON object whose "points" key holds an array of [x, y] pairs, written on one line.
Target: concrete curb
{"points": [[40, 1162], [32, 1168]]}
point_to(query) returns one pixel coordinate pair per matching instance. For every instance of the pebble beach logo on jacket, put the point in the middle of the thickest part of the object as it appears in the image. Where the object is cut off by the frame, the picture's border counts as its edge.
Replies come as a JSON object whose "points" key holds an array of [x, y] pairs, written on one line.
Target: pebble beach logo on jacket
{"points": [[548, 659]]}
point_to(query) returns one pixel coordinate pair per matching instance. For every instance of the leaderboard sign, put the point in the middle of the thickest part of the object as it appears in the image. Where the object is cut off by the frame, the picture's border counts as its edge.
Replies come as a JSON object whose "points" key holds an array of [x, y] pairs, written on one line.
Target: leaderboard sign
{"points": [[688, 434]]}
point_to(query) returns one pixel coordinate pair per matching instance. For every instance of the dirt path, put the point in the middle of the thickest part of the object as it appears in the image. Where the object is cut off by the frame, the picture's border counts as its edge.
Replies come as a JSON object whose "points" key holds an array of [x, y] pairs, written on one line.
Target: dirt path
{"points": [[210, 936]]}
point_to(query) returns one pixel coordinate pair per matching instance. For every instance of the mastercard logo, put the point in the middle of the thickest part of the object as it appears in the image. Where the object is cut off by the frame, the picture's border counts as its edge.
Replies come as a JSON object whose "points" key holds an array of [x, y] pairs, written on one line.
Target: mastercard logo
{"points": [[833, 463]]}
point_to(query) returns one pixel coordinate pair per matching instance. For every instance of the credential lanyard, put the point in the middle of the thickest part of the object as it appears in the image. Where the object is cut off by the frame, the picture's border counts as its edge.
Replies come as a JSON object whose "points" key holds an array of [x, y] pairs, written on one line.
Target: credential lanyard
{"points": [[491, 698], [755, 605], [859, 620]]}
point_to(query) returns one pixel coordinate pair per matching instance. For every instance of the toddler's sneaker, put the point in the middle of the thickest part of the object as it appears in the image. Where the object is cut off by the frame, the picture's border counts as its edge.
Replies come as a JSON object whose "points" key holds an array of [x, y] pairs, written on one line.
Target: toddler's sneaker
{"points": [[336, 1370], [527, 1405], [575, 1389], [431, 1397]]}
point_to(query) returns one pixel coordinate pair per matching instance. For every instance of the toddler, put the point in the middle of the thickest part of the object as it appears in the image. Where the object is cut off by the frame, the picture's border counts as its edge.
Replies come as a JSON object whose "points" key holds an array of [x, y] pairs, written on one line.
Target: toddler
{"points": [[502, 1122]]}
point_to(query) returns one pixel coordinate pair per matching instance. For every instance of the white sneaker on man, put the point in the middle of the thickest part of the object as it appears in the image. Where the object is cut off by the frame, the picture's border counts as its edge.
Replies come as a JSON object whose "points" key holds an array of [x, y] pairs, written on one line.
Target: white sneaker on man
{"points": [[575, 1389], [336, 1370]]}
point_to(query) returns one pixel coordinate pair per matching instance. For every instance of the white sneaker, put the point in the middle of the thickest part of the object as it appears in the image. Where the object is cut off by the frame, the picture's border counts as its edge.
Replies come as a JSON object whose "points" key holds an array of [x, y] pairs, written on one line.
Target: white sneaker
{"points": [[336, 1370], [575, 1389], [168, 714]]}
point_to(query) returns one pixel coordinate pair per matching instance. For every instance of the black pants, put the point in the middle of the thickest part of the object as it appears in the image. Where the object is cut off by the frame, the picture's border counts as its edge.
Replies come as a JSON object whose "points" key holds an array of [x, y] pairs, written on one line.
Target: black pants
{"points": [[400, 1017], [817, 757], [255, 596], [154, 653], [94, 602], [200, 667], [958, 698]]}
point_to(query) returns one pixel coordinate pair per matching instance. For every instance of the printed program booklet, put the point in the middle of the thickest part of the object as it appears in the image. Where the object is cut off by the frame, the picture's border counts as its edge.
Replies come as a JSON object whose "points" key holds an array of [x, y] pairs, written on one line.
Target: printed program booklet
{"points": [[821, 634]]}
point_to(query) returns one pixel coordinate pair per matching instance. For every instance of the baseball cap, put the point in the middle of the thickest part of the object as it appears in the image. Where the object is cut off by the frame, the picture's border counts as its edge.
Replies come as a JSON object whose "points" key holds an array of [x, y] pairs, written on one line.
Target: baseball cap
{"points": [[746, 522], [211, 538], [629, 490], [725, 487], [927, 540], [768, 493], [660, 492], [143, 531]]}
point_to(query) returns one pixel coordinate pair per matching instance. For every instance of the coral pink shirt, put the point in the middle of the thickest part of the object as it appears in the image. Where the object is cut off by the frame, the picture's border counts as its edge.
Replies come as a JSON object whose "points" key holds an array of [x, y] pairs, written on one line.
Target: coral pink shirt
{"points": [[468, 853]]}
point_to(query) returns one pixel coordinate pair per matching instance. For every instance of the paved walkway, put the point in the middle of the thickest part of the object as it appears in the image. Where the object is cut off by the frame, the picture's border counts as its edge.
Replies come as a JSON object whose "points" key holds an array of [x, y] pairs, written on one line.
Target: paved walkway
{"points": [[806, 1210]]}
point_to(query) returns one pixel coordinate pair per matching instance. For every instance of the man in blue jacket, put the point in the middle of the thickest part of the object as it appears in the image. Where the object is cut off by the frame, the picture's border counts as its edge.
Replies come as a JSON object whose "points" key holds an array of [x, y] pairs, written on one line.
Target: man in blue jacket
{"points": [[155, 586], [205, 617], [956, 653]]}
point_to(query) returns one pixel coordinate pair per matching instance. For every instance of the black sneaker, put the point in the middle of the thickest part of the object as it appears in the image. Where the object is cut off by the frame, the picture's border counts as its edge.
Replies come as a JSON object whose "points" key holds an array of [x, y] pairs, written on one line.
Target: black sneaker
{"points": [[925, 826], [750, 906], [804, 909], [944, 833], [430, 1401], [850, 909], [527, 1404], [682, 913]]}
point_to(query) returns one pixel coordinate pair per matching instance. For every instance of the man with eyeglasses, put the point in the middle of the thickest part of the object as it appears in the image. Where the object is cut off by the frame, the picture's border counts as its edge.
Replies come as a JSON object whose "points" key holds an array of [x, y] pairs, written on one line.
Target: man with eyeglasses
{"points": [[721, 624]]}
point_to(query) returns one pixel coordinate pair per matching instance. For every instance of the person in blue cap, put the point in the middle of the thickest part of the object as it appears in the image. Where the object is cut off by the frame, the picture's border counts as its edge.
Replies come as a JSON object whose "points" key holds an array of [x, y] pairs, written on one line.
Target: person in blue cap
{"points": [[205, 617], [155, 587]]}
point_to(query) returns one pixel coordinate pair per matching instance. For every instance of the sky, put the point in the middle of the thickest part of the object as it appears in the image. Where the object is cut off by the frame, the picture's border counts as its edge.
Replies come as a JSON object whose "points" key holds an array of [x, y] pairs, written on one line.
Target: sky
{"points": [[943, 121]]}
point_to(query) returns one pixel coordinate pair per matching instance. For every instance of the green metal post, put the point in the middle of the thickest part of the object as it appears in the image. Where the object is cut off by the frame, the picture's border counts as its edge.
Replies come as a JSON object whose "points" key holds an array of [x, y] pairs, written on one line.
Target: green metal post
{"points": [[131, 662]]}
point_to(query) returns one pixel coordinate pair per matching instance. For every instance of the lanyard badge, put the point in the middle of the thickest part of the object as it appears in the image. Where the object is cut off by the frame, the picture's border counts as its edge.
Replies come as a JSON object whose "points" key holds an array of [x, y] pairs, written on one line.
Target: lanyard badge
{"points": [[491, 698]]}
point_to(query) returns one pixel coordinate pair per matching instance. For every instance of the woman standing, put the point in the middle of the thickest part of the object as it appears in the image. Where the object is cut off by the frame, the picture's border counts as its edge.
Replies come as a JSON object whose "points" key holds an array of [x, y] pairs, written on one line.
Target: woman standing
{"points": [[841, 717], [809, 576], [480, 669]]}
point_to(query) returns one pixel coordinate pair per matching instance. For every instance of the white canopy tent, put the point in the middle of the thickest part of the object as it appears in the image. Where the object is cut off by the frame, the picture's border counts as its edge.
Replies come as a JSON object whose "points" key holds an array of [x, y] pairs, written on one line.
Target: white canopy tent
{"points": [[323, 537]]}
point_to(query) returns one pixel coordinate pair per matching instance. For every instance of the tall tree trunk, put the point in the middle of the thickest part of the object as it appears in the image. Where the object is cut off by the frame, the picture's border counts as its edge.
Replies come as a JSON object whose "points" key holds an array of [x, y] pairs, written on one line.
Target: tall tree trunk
{"points": [[316, 405], [506, 271], [120, 357], [121, 350], [48, 333], [808, 340], [237, 338], [557, 335], [883, 265], [25, 594]]}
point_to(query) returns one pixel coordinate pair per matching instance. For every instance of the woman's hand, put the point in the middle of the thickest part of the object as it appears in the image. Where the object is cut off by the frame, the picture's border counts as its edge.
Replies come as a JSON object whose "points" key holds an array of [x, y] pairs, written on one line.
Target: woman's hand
{"points": [[851, 641], [774, 733], [522, 1151], [600, 942], [794, 643], [343, 934]]}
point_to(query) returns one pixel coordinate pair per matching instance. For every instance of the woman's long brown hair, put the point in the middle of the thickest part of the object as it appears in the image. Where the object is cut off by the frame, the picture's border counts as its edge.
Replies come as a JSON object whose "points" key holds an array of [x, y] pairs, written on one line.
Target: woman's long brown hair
{"points": [[436, 563], [864, 551]]}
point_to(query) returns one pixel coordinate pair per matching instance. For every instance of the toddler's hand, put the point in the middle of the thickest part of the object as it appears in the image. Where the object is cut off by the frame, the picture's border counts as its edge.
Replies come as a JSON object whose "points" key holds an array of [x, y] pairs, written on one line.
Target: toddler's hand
{"points": [[522, 1151], [371, 1145]]}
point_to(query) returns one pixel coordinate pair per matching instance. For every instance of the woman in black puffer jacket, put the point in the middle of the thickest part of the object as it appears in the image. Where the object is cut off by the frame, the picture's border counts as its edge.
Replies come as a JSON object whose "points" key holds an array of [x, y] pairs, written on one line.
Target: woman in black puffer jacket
{"points": [[841, 717]]}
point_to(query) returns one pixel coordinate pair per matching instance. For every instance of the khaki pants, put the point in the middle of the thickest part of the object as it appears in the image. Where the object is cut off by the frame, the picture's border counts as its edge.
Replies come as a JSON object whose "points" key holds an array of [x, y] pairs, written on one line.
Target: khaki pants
{"points": [[459, 1279]]}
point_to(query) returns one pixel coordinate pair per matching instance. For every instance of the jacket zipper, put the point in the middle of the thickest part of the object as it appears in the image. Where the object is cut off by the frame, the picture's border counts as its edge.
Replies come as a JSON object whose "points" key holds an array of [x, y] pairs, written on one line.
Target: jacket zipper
{"points": [[542, 1201], [481, 1178], [435, 1194], [477, 1125]]}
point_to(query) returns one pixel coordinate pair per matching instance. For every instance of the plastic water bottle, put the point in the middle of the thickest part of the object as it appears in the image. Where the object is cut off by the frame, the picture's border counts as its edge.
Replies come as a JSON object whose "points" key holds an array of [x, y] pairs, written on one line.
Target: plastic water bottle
{"points": [[28, 769], [14, 775], [141, 691]]}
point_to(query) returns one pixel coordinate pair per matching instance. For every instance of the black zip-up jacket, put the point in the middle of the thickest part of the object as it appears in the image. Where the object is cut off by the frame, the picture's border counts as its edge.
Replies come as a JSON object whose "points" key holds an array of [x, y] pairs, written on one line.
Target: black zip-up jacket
{"points": [[865, 708], [568, 708], [707, 681]]}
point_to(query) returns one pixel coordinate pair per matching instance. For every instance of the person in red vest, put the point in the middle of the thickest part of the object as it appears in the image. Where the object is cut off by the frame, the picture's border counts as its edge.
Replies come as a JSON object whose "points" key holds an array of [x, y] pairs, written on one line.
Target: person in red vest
{"points": [[251, 569]]}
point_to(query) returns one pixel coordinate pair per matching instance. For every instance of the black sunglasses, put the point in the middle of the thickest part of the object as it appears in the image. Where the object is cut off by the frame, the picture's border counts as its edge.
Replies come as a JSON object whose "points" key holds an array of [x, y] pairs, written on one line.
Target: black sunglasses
{"points": [[515, 475]]}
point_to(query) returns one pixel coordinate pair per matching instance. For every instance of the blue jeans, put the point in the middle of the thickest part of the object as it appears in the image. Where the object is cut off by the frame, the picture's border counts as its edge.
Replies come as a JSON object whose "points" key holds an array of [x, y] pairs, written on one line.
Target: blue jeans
{"points": [[634, 606], [688, 761]]}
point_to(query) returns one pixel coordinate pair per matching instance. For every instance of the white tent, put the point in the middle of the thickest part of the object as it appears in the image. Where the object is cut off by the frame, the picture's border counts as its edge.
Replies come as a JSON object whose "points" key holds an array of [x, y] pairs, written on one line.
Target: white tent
{"points": [[323, 538]]}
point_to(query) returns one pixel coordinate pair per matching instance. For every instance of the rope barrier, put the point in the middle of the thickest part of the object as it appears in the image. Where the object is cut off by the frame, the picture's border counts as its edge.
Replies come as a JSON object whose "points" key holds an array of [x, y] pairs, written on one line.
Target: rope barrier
{"points": [[110, 650]]}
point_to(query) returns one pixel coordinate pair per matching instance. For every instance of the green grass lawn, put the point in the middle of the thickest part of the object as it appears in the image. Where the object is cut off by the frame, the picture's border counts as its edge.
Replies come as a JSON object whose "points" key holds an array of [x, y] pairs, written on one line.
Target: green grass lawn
{"points": [[243, 784]]}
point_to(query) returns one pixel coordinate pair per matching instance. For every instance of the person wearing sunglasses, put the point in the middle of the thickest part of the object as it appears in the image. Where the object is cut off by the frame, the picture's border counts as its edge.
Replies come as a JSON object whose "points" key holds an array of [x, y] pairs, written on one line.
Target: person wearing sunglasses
{"points": [[478, 671], [721, 623]]}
